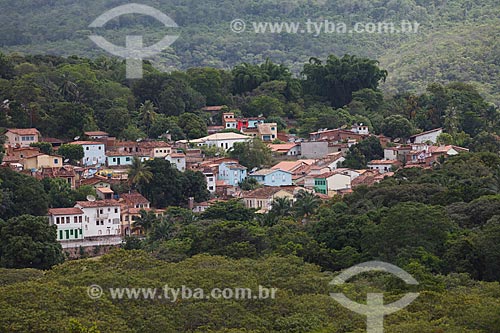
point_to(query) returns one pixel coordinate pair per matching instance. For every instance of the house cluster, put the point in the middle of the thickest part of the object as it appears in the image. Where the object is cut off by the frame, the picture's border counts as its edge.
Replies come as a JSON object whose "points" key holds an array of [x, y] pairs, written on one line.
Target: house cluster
{"points": [[313, 165], [100, 221]]}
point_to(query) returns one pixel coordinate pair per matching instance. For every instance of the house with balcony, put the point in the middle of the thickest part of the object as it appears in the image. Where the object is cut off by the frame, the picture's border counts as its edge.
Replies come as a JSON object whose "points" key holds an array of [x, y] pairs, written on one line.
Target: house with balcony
{"points": [[272, 177], [101, 218]]}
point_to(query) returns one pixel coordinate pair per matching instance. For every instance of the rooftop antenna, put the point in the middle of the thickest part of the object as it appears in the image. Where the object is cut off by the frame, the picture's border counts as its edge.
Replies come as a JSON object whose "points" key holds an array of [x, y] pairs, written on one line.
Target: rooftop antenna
{"points": [[397, 140], [90, 198], [77, 138], [66, 160]]}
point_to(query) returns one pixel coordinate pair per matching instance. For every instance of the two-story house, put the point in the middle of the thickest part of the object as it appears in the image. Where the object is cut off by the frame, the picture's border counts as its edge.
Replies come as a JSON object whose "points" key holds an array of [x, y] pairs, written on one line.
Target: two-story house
{"points": [[21, 137], [93, 152], [69, 222], [232, 173], [331, 183], [101, 217]]}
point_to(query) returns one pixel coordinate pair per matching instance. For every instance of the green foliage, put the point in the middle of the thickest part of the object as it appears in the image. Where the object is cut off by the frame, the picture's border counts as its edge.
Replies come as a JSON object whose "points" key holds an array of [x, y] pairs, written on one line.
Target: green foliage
{"points": [[73, 153], [232, 210], [363, 152], [170, 187], [44, 147], [251, 154], [21, 195], [29, 242], [337, 79], [397, 126]]}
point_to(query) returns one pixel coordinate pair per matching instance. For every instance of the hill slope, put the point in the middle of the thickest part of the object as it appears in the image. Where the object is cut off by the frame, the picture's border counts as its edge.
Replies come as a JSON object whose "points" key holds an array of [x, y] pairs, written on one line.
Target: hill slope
{"points": [[457, 39]]}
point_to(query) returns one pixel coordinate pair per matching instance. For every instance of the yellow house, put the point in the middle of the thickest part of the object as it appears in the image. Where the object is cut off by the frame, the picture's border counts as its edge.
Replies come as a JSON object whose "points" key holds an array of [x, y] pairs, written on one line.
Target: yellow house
{"points": [[262, 198], [42, 161]]}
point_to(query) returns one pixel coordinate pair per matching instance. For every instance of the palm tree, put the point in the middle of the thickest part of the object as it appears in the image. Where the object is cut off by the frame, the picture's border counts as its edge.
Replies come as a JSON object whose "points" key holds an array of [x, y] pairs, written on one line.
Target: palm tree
{"points": [[164, 230], [139, 173], [307, 203], [146, 221], [281, 206], [147, 115]]}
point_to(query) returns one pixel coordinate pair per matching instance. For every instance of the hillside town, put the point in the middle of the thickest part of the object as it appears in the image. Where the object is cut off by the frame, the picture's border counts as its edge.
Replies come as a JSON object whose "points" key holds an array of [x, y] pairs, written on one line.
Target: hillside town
{"points": [[314, 165]]}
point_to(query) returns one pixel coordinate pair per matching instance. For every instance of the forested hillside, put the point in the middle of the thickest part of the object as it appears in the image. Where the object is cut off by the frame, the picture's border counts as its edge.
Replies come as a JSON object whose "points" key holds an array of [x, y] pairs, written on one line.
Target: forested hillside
{"points": [[456, 40]]}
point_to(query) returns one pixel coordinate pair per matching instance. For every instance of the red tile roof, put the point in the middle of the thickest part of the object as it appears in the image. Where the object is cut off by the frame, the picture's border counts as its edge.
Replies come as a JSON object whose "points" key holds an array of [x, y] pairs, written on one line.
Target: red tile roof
{"points": [[134, 198], [24, 131], [65, 211]]}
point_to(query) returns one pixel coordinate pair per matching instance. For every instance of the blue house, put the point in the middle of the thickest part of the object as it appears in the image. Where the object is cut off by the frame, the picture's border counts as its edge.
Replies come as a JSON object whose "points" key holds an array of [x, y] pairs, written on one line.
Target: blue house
{"points": [[232, 173], [272, 177], [117, 159]]}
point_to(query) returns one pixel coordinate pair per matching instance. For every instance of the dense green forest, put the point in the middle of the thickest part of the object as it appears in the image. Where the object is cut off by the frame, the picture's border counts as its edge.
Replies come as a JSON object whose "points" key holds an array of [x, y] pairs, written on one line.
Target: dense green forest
{"points": [[457, 40], [64, 97], [447, 303]]}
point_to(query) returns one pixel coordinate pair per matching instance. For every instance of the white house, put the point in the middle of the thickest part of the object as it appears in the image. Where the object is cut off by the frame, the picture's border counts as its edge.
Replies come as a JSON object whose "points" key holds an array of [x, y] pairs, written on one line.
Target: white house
{"points": [[383, 166], [288, 149], [211, 180], [360, 129], [222, 140], [101, 217], [69, 222], [429, 136], [177, 160], [94, 152]]}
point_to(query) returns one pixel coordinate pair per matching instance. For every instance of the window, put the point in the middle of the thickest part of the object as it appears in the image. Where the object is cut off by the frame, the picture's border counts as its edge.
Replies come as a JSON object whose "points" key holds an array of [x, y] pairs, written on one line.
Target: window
{"points": [[101, 211], [57, 220], [127, 159], [87, 148], [80, 219], [56, 161], [116, 210], [68, 219], [75, 219], [114, 159], [100, 148], [97, 222]]}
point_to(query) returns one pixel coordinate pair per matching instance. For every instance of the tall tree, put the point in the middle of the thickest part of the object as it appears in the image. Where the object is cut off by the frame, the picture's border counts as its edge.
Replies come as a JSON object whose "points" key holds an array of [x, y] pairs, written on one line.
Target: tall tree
{"points": [[337, 79], [139, 174]]}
